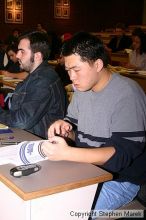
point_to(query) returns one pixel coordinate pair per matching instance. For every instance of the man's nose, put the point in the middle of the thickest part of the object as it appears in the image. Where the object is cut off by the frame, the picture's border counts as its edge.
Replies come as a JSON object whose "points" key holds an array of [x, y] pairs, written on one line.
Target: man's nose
{"points": [[18, 55], [72, 75]]}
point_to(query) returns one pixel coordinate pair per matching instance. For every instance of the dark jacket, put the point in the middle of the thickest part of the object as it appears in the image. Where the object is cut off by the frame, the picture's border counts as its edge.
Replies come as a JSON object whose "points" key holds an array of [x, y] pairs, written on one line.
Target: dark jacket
{"points": [[124, 42], [2, 54], [13, 67], [63, 74], [37, 102]]}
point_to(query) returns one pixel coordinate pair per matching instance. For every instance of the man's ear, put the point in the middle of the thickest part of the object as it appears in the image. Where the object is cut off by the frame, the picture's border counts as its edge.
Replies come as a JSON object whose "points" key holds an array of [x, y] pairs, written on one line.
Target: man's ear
{"points": [[99, 65], [38, 56]]}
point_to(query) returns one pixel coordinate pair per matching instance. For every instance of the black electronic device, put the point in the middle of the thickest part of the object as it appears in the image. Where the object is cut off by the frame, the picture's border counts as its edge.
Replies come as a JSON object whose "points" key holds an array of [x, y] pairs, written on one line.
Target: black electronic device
{"points": [[24, 170]]}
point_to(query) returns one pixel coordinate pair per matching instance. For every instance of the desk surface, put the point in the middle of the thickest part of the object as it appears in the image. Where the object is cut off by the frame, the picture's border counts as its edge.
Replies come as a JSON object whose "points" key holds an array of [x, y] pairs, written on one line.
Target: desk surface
{"points": [[53, 177], [16, 135], [134, 75], [11, 83], [119, 57]]}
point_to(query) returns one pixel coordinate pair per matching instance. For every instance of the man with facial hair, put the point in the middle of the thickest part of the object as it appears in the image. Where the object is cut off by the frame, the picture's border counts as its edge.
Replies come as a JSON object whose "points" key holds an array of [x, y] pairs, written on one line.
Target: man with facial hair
{"points": [[40, 99]]}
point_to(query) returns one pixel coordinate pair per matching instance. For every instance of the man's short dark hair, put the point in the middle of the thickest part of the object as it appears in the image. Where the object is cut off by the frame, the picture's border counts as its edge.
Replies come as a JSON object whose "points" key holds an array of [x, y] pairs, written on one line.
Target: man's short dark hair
{"points": [[39, 42], [87, 46]]}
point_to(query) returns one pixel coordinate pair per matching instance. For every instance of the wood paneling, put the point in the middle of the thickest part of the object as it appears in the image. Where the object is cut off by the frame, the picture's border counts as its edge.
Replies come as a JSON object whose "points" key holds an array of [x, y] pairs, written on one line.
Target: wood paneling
{"points": [[89, 15]]}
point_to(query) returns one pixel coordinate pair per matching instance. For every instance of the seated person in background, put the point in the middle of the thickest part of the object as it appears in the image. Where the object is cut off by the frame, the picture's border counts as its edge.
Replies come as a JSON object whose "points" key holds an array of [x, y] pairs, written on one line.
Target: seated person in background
{"points": [[55, 43], [12, 69], [120, 41], [65, 37], [60, 67], [107, 120], [137, 57], [40, 28], [13, 38], [40, 98], [63, 74]]}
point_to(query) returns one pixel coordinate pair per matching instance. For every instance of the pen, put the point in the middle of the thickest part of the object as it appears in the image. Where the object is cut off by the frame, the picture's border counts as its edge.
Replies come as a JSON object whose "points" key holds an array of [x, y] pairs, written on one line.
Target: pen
{"points": [[10, 142]]}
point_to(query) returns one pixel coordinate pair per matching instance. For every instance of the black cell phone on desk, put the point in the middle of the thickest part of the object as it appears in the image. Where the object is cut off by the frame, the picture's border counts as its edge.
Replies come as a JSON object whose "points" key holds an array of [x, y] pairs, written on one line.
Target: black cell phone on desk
{"points": [[24, 170]]}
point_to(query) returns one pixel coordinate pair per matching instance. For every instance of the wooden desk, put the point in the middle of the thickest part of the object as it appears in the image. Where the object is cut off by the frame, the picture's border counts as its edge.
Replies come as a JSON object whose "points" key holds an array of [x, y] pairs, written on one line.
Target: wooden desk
{"points": [[132, 27], [140, 79], [11, 84], [57, 192], [119, 57], [106, 36], [17, 135], [53, 63]]}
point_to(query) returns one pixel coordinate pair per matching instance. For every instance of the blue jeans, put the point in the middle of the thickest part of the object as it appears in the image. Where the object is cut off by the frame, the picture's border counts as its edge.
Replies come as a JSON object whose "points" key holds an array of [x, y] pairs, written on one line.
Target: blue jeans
{"points": [[116, 194]]}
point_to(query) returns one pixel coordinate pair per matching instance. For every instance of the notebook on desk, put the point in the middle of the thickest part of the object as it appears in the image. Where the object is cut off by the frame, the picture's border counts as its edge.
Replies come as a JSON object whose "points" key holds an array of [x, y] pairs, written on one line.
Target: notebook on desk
{"points": [[3, 126], [25, 152], [4, 129]]}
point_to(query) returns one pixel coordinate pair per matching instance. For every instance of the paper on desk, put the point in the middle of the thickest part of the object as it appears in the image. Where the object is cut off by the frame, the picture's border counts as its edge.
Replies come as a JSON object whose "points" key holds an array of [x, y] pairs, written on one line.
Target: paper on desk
{"points": [[142, 72], [119, 69], [24, 153], [10, 79], [3, 126], [8, 155]]}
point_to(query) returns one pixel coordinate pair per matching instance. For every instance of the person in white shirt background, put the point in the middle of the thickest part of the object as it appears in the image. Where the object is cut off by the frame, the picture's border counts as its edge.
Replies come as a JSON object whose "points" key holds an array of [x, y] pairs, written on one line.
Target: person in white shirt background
{"points": [[137, 57]]}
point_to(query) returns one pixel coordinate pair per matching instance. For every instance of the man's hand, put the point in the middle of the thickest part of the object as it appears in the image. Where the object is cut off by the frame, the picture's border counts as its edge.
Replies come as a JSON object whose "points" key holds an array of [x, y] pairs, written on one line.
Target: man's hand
{"points": [[56, 149], [61, 128]]}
